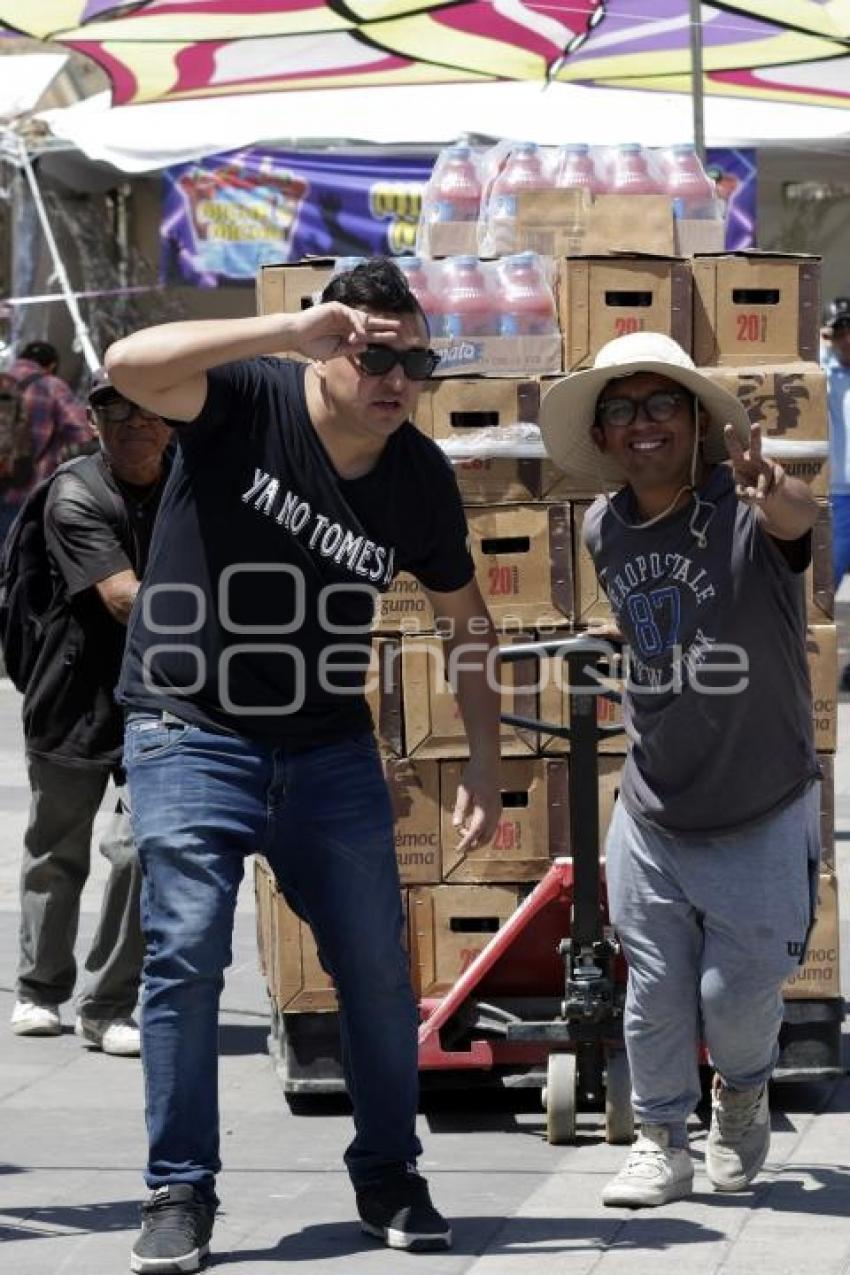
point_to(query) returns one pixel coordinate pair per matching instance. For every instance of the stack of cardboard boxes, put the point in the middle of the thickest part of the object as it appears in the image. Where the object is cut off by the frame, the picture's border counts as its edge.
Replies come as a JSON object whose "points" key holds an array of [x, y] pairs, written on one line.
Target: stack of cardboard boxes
{"points": [[752, 321]]}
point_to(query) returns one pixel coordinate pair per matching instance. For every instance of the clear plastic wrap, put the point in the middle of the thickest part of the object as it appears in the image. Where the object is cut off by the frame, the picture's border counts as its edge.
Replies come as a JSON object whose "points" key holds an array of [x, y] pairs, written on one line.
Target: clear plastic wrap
{"points": [[497, 177], [523, 441]]}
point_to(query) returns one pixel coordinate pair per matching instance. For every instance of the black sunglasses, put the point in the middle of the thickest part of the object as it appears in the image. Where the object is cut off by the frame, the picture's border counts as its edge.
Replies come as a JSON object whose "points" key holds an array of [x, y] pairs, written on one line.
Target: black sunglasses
{"points": [[417, 364], [659, 407]]}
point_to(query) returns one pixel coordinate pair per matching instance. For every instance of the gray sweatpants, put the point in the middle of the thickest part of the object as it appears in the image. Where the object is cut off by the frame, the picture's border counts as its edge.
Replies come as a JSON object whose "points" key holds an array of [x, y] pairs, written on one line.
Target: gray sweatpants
{"points": [[711, 927], [57, 848]]}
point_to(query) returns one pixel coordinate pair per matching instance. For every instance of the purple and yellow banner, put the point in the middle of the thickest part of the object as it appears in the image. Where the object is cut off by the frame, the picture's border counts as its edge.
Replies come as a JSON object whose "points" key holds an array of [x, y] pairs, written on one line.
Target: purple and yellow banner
{"points": [[226, 215]]}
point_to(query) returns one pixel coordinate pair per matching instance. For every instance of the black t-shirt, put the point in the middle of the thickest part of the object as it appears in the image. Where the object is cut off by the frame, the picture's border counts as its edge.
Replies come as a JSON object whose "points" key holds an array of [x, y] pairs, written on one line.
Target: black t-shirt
{"points": [[255, 613], [69, 709]]}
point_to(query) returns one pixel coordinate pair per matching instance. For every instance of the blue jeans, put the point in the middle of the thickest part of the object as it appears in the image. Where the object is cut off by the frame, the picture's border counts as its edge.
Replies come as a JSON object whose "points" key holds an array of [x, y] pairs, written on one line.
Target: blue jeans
{"points": [[201, 802], [840, 503]]}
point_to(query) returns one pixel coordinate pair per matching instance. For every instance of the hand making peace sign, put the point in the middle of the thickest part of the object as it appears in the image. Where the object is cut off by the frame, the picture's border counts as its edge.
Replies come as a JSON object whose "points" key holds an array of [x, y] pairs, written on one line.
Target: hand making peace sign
{"points": [[755, 477]]}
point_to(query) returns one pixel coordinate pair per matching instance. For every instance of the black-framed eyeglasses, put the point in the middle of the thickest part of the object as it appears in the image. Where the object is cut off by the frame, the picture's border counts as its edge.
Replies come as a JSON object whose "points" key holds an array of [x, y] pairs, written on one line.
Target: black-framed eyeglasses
{"points": [[117, 411], [659, 407], [417, 364]]}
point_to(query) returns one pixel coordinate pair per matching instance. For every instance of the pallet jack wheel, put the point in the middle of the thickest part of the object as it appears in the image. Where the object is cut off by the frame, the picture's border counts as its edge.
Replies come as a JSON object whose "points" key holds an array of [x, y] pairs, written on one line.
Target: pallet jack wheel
{"points": [[619, 1116], [559, 1099]]}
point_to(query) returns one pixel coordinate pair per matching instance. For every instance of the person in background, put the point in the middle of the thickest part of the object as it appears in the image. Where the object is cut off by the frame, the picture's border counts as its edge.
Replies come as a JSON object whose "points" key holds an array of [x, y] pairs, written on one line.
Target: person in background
{"points": [[58, 422], [836, 361], [713, 850], [299, 490], [98, 519]]}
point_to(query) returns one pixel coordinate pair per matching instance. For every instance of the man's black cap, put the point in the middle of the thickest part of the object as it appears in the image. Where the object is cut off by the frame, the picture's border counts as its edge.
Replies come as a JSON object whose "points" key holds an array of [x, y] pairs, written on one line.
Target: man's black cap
{"points": [[101, 389]]}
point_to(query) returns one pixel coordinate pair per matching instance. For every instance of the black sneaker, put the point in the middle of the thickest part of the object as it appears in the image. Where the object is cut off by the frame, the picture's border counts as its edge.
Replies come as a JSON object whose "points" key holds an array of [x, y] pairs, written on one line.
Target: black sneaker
{"points": [[177, 1223], [398, 1209]]}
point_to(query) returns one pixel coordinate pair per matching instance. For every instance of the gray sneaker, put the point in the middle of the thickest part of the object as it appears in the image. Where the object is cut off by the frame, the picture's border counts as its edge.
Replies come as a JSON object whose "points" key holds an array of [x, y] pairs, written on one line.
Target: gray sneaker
{"points": [[739, 1137], [654, 1173]]}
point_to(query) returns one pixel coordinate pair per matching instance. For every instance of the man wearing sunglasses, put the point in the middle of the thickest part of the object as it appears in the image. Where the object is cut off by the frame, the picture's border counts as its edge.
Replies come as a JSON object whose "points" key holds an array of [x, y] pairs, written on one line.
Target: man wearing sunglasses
{"points": [[299, 490], [712, 854], [96, 516]]}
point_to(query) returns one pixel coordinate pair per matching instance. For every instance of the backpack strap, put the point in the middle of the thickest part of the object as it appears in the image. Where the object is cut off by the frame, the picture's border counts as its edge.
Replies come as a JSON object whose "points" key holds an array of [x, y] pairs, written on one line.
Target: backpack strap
{"points": [[91, 475]]}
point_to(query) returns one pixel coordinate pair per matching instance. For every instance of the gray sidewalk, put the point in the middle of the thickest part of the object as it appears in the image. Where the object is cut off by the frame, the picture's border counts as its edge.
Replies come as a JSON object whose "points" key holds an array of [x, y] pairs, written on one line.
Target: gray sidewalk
{"points": [[73, 1143]]}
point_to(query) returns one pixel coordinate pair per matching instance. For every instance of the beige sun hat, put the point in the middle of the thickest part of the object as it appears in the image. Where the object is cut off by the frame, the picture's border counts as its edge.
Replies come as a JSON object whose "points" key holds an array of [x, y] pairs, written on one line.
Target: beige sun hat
{"points": [[568, 410]]}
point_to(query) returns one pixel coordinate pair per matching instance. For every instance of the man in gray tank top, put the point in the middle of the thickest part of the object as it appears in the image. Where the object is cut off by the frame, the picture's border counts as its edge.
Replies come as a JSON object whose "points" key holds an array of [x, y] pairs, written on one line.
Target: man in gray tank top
{"points": [[713, 851]]}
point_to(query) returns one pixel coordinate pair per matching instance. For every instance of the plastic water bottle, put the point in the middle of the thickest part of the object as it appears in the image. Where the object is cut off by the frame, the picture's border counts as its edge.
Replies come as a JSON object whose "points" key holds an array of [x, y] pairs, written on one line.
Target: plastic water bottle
{"points": [[691, 190], [631, 175], [576, 170], [523, 171], [456, 189], [419, 282], [469, 308], [526, 305]]}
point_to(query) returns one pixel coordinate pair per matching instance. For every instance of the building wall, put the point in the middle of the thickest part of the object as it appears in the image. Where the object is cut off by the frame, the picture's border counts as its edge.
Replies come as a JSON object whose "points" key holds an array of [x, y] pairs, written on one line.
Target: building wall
{"points": [[817, 226]]}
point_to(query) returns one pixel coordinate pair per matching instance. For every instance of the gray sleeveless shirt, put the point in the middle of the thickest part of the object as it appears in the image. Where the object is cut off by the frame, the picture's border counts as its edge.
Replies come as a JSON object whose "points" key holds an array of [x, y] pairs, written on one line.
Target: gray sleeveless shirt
{"points": [[717, 703]]}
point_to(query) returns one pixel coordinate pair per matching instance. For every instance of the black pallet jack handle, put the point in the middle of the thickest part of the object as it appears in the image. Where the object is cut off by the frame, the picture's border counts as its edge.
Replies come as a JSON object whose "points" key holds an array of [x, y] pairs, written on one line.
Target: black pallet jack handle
{"points": [[588, 953]]}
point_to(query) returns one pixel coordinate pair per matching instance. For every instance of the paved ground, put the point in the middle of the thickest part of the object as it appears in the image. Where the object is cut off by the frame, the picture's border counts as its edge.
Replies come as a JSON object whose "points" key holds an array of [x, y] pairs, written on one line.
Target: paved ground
{"points": [[72, 1144]]}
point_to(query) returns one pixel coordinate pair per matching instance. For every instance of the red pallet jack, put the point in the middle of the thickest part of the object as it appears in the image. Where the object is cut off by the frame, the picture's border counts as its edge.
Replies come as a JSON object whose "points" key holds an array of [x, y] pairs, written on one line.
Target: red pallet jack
{"points": [[542, 1004], [547, 992]]}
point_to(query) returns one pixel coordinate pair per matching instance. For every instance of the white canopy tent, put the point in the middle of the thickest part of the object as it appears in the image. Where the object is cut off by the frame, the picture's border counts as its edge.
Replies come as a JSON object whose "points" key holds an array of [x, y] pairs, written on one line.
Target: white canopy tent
{"points": [[24, 79], [140, 138]]}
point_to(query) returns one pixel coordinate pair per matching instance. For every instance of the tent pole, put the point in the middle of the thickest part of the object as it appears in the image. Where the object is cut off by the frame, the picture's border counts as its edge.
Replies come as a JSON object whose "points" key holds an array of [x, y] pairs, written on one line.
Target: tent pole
{"points": [[61, 274], [697, 100]]}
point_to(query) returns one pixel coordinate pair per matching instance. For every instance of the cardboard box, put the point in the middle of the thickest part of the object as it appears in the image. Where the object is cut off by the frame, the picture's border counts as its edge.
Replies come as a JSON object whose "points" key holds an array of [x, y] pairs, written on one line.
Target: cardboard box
{"points": [[510, 482], [498, 355], [533, 829], [449, 926], [523, 563], [459, 404], [814, 472], [564, 222], [827, 812], [591, 605], [788, 400], [415, 794], [756, 308], [264, 889], [383, 694], [558, 486], [404, 608], [299, 985], [290, 288], [433, 725], [819, 977], [462, 404], [600, 298], [447, 239], [820, 580], [822, 651]]}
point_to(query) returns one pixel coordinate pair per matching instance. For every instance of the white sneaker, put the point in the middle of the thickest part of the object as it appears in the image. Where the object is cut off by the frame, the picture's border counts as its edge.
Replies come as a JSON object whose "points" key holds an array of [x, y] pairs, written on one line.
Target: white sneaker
{"points": [[118, 1036], [739, 1137], [655, 1173], [29, 1019]]}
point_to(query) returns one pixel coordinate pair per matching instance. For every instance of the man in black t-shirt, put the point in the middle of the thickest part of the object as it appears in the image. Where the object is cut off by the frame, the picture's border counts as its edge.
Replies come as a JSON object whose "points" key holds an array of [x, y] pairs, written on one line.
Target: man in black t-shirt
{"points": [[98, 519], [298, 491]]}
